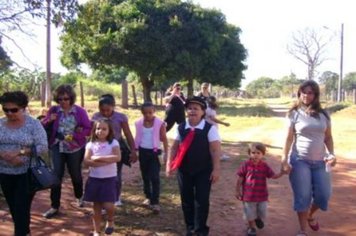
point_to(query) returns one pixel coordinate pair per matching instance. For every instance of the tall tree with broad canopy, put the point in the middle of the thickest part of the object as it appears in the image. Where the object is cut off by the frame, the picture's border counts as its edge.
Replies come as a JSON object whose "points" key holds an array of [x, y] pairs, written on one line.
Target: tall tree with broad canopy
{"points": [[329, 79], [157, 40]]}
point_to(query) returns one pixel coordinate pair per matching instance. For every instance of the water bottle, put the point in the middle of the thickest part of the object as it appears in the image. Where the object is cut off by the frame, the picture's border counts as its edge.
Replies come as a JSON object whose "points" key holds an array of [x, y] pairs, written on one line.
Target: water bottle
{"points": [[328, 164]]}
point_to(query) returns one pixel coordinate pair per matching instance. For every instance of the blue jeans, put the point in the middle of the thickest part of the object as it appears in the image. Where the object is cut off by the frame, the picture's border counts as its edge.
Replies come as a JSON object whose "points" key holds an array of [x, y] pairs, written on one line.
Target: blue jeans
{"points": [[311, 184], [74, 166], [150, 168]]}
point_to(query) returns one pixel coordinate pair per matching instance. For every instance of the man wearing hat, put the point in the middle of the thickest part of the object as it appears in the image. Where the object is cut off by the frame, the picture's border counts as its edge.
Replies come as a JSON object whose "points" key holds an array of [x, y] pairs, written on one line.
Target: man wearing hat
{"points": [[196, 154]]}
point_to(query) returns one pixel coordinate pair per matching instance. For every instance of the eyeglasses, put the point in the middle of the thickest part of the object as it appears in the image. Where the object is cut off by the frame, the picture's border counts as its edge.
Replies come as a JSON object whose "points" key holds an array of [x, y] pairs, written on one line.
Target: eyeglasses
{"points": [[63, 99], [10, 110]]}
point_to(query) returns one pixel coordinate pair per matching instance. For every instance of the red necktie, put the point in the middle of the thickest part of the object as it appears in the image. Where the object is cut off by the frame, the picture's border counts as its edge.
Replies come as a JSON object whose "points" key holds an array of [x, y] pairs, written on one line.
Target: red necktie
{"points": [[182, 149]]}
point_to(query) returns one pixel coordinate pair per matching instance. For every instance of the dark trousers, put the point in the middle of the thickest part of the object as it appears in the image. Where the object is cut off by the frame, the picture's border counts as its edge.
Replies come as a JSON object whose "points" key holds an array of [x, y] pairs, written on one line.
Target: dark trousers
{"points": [[150, 168], [194, 192], [74, 166], [19, 200], [172, 117]]}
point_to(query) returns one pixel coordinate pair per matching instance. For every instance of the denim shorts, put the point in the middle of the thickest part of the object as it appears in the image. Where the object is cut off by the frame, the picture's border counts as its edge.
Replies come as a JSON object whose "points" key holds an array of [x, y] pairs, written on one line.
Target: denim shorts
{"points": [[254, 210], [311, 184]]}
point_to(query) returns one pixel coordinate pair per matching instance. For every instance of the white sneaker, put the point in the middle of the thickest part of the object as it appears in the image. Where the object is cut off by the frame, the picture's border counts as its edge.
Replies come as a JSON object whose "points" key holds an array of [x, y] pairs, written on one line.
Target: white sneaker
{"points": [[103, 211], [156, 208], [80, 202], [146, 202], [224, 157], [118, 203]]}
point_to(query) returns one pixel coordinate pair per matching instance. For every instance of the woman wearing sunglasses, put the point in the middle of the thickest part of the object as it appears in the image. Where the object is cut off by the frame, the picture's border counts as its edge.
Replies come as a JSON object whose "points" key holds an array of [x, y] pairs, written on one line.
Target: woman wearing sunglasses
{"points": [[18, 132], [70, 125], [175, 111]]}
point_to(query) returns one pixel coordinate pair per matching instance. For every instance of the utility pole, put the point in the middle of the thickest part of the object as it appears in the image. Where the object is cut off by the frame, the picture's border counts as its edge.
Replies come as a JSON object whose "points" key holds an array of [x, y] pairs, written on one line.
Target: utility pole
{"points": [[48, 61], [339, 88]]}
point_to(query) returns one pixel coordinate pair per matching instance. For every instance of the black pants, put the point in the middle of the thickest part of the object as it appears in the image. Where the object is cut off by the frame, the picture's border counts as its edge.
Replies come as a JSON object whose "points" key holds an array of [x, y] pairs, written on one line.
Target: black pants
{"points": [[173, 116], [19, 200], [74, 166], [194, 192], [150, 168]]}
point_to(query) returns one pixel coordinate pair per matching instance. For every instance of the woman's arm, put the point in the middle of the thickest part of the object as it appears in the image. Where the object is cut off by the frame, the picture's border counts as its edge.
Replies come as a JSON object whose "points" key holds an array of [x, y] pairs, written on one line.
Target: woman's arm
{"points": [[130, 140], [215, 152], [287, 145], [329, 143], [84, 124], [171, 156]]}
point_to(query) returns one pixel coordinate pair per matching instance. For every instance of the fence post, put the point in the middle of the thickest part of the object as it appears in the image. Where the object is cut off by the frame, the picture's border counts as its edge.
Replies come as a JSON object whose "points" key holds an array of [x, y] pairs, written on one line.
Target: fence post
{"points": [[124, 94], [134, 95], [81, 93], [43, 93]]}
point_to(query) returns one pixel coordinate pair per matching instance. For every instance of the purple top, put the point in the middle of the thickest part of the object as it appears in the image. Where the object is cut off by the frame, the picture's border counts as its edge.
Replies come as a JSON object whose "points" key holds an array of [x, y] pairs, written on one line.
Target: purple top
{"points": [[81, 119], [116, 119]]}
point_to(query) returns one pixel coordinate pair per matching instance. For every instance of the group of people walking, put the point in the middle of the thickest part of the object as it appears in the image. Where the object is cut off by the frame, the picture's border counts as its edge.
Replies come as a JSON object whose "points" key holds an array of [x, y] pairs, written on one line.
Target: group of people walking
{"points": [[74, 138]]}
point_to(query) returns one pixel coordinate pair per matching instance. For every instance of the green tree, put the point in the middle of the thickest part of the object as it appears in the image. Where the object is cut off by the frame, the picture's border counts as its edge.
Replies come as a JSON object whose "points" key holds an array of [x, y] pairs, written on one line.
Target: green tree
{"points": [[158, 40], [263, 87], [330, 80], [349, 81]]}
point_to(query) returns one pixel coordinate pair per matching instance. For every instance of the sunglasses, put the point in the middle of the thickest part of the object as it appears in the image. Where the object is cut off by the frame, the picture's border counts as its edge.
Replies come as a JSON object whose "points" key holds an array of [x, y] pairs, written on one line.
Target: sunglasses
{"points": [[63, 99], [10, 110]]}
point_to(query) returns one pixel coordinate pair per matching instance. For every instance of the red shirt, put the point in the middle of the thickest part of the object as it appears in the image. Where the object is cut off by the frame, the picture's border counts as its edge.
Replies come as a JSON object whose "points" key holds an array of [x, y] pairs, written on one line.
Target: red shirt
{"points": [[254, 185]]}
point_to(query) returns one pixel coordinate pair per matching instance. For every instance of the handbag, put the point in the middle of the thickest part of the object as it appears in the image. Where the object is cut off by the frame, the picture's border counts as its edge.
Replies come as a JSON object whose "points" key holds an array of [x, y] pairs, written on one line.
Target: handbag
{"points": [[125, 152], [41, 176]]}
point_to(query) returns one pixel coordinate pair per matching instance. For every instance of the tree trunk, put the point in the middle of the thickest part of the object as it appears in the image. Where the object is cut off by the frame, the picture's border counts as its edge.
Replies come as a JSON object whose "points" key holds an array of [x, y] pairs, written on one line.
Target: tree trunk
{"points": [[134, 95], [147, 86], [81, 94], [48, 59], [190, 87]]}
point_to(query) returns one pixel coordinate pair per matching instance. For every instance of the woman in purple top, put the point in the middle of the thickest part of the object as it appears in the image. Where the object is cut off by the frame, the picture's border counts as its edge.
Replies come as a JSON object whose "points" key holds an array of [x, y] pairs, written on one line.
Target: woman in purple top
{"points": [[119, 122], [69, 125]]}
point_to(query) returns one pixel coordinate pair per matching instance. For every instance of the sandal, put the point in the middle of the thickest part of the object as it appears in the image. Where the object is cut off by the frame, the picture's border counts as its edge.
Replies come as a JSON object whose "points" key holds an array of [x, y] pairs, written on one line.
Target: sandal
{"points": [[315, 226], [109, 229], [302, 233]]}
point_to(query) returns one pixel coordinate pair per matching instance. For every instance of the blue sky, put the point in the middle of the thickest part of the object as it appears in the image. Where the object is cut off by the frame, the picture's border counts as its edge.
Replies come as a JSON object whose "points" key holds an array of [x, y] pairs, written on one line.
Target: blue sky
{"points": [[267, 27]]}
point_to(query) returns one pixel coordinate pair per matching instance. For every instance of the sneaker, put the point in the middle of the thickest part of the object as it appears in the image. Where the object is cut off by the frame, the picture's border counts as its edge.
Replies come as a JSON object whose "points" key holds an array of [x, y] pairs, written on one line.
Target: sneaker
{"points": [[251, 232], [224, 157], [156, 208], [103, 211], [118, 203], [50, 213], [80, 202], [146, 202], [259, 223]]}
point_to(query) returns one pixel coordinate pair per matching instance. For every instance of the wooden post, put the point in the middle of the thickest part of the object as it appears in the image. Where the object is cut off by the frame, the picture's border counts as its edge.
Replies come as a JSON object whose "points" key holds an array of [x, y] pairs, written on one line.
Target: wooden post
{"points": [[134, 95], [161, 99], [124, 94], [156, 97], [354, 93], [81, 93], [43, 94]]}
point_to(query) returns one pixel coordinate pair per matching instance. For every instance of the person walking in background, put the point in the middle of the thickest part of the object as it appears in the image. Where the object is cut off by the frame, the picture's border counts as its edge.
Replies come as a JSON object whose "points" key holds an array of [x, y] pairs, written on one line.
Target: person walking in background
{"points": [[150, 132], [18, 133], [102, 153], [196, 154], [69, 126], [174, 106], [305, 156], [251, 187], [204, 92], [211, 118], [119, 122]]}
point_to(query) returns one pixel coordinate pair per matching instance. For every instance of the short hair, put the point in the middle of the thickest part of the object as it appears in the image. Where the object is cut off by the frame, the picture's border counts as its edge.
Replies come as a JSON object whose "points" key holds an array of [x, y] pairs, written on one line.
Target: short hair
{"points": [[110, 136], [107, 99], [65, 89], [258, 146], [147, 104], [17, 97]]}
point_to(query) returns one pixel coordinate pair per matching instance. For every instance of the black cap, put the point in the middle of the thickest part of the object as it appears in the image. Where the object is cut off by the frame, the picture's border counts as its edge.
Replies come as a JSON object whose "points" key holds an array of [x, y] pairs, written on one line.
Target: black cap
{"points": [[196, 100]]}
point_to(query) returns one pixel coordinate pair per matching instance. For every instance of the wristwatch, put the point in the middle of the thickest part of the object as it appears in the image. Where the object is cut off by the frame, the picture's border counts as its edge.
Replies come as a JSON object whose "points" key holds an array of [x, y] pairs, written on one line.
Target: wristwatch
{"points": [[22, 151]]}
